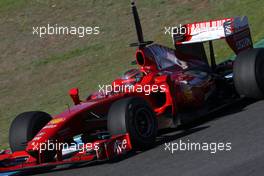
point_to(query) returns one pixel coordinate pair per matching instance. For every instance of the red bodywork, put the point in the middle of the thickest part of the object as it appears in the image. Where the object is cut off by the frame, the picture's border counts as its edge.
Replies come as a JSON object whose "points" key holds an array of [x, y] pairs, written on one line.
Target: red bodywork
{"points": [[79, 118], [90, 115]]}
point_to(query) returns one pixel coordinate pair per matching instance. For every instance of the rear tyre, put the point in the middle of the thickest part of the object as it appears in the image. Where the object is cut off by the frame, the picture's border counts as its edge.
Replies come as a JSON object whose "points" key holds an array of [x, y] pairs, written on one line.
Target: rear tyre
{"points": [[133, 115], [24, 127], [249, 73]]}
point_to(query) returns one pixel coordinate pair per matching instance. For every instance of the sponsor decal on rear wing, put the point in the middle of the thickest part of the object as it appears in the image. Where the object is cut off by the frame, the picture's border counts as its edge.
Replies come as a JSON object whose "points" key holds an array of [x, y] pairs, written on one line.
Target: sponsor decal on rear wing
{"points": [[235, 30]]}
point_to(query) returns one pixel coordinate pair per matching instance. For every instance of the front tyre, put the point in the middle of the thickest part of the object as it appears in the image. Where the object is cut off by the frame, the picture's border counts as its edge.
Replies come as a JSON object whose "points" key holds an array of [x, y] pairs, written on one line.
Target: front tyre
{"points": [[133, 115], [24, 128]]}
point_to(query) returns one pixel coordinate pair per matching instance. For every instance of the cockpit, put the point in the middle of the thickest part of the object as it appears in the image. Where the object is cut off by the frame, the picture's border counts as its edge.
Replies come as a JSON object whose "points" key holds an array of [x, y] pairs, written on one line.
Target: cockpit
{"points": [[134, 75]]}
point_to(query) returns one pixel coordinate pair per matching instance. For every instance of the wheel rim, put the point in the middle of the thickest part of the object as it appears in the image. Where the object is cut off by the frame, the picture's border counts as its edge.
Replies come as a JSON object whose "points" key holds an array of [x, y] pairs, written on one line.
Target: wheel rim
{"points": [[143, 122]]}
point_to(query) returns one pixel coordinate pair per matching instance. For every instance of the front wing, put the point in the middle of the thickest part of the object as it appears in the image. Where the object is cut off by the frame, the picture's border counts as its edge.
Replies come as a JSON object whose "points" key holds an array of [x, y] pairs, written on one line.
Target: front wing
{"points": [[107, 149]]}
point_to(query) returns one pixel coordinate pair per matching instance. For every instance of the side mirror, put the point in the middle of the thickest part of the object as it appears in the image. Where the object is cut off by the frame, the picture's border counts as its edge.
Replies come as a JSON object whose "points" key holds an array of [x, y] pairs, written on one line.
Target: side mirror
{"points": [[74, 94]]}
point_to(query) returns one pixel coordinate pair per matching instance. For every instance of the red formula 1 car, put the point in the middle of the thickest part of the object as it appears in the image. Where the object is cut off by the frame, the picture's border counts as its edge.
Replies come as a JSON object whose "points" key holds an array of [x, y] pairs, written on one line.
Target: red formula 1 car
{"points": [[170, 88]]}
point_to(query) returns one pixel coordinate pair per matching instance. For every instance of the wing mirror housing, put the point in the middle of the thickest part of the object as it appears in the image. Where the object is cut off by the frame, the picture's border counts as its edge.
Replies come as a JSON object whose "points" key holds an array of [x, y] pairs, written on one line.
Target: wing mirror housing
{"points": [[74, 94]]}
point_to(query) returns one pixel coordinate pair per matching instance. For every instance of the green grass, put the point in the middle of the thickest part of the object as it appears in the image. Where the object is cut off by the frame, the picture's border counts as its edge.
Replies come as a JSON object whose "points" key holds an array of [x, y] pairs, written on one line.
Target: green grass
{"points": [[36, 73], [77, 52], [12, 4]]}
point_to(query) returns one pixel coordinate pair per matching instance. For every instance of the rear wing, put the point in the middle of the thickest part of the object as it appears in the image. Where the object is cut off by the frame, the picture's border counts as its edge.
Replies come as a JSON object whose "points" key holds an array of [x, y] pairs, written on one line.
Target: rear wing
{"points": [[235, 30]]}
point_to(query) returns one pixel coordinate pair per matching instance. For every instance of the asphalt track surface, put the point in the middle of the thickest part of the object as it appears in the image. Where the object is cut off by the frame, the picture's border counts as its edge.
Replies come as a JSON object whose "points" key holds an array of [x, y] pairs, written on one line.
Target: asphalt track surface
{"points": [[241, 124]]}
